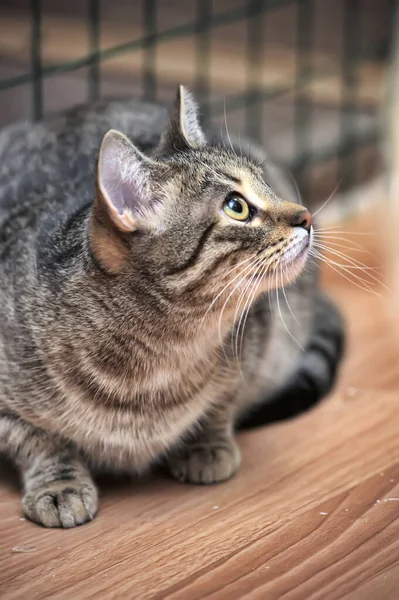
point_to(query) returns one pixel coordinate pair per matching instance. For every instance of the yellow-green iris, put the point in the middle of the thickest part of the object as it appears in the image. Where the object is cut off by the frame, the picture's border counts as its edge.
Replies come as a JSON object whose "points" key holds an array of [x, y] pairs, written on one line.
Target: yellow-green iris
{"points": [[236, 208]]}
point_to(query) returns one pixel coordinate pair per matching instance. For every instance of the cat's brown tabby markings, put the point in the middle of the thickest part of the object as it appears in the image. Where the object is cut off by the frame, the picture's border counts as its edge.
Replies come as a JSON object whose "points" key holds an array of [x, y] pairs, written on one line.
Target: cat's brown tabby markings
{"points": [[122, 341]]}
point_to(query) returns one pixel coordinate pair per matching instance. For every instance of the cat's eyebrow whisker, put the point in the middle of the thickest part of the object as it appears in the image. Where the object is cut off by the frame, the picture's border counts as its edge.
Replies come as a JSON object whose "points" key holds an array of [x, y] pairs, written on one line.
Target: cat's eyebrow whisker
{"points": [[221, 135], [330, 197], [227, 130], [239, 141], [296, 187]]}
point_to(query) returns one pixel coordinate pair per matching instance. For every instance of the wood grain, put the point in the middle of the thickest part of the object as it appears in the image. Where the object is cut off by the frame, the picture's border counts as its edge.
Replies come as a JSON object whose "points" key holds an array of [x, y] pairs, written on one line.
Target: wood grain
{"points": [[313, 512]]}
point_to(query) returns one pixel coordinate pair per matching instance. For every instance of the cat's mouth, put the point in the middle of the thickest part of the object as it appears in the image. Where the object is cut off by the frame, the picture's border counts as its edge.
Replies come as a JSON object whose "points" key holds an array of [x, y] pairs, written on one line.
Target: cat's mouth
{"points": [[290, 263], [297, 252]]}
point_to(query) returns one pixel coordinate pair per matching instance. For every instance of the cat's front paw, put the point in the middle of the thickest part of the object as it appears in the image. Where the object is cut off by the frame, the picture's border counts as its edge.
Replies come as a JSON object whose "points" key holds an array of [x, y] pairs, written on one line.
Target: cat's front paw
{"points": [[62, 503], [205, 463]]}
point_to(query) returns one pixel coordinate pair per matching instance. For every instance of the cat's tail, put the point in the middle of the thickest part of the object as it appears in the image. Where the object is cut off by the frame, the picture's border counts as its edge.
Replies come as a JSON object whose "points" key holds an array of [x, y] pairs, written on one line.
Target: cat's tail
{"points": [[315, 375]]}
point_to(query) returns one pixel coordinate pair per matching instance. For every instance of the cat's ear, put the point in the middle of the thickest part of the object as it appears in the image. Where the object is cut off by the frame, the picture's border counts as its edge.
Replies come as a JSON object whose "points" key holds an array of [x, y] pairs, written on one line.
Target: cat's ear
{"points": [[124, 182], [125, 200], [183, 129]]}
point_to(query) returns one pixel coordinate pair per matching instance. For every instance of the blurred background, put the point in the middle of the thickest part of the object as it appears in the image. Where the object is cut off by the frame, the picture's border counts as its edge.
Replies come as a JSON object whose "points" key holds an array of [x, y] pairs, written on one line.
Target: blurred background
{"points": [[305, 77]]}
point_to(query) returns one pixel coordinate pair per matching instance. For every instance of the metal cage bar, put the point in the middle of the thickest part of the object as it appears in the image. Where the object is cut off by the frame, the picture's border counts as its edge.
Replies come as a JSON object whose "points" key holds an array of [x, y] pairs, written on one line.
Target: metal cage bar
{"points": [[94, 27], [36, 60], [203, 55], [255, 33], [181, 31], [302, 103], [149, 8], [351, 31], [202, 30]]}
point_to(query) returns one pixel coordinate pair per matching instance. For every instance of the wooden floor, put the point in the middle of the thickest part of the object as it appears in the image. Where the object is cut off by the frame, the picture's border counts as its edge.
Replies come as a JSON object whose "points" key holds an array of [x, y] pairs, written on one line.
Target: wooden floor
{"points": [[313, 513]]}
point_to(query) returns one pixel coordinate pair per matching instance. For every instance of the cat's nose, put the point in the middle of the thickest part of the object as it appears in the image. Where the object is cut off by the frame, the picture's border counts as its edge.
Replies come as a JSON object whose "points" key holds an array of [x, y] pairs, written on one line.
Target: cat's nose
{"points": [[302, 218]]}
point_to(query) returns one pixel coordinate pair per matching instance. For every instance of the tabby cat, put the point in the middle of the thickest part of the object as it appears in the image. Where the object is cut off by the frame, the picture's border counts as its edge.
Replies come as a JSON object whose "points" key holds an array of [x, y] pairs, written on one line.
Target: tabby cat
{"points": [[135, 323]]}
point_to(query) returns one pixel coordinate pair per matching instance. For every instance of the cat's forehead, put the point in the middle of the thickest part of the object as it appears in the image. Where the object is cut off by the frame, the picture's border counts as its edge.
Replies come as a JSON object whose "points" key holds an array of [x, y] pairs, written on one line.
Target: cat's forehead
{"points": [[246, 178]]}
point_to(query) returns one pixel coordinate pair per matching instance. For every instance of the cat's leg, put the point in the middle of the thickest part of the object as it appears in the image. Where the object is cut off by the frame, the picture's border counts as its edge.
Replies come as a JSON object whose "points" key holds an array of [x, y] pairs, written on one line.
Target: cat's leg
{"points": [[57, 486], [210, 455]]}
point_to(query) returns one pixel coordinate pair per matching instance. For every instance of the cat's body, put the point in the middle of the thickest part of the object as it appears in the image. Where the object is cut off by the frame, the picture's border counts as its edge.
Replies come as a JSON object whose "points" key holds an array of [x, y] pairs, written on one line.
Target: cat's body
{"points": [[112, 352]]}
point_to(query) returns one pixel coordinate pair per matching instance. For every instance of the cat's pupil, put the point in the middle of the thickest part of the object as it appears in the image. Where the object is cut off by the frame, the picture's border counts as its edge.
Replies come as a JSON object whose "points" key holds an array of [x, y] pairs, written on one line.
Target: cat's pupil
{"points": [[235, 205]]}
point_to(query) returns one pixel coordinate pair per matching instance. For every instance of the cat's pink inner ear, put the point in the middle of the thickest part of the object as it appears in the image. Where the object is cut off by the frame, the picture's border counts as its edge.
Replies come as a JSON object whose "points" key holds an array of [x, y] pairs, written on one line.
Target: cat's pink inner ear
{"points": [[122, 175]]}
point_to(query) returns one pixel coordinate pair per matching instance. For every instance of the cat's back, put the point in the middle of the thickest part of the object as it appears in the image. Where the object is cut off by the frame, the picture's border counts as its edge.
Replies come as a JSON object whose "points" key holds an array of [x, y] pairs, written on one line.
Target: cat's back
{"points": [[47, 174], [54, 161]]}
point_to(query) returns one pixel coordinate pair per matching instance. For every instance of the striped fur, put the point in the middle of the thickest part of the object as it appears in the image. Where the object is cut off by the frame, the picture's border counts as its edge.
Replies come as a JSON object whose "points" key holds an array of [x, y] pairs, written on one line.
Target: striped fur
{"points": [[119, 343]]}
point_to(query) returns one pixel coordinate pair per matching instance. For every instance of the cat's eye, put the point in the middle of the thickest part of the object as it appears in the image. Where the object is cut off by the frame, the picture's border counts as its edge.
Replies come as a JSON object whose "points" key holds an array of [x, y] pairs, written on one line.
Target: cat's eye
{"points": [[237, 208]]}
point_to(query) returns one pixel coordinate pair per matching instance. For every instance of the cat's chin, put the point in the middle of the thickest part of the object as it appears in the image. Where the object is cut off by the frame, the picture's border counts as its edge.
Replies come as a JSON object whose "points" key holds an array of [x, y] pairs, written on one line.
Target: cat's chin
{"points": [[294, 259], [288, 270]]}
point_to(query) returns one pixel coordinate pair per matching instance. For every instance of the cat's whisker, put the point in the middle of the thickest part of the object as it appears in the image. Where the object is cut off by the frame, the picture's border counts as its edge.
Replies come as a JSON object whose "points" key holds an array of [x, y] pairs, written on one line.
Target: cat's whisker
{"points": [[227, 285], [244, 275], [364, 268], [227, 130], [361, 287], [353, 247], [330, 197], [278, 271], [260, 271], [327, 245], [239, 302], [288, 304], [327, 231], [332, 236], [244, 316], [354, 264], [237, 328], [264, 269], [296, 187], [330, 248], [347, 268], [239, 141], [334, 266], [219, 330]]}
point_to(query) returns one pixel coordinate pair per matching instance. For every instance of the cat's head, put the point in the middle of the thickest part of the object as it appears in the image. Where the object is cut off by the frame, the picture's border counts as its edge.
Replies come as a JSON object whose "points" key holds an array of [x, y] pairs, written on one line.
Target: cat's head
{"points": [[193, 218]]}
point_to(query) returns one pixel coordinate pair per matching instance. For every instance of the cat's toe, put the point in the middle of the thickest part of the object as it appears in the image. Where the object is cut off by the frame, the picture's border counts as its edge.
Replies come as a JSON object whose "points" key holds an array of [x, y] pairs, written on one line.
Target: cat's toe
{"points": [[206, 464], [62, 503]]}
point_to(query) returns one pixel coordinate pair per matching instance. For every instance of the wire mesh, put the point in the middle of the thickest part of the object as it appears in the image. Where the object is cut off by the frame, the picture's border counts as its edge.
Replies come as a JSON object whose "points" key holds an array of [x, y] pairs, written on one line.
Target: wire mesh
{"points": [[247, 103]]}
